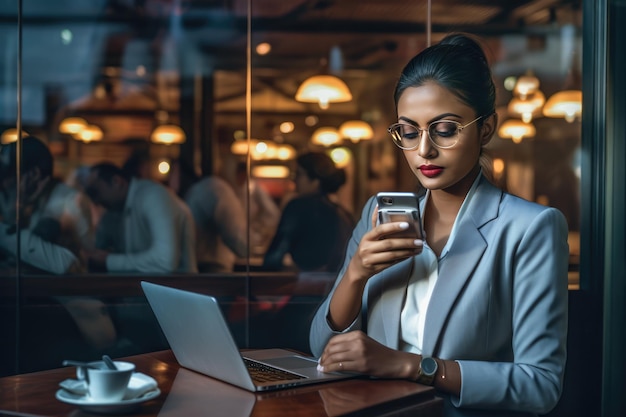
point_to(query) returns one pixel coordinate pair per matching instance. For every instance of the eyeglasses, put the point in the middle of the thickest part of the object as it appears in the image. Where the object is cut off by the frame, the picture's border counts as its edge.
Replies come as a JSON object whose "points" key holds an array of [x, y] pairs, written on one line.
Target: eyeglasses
{"points": [[443, 134]]}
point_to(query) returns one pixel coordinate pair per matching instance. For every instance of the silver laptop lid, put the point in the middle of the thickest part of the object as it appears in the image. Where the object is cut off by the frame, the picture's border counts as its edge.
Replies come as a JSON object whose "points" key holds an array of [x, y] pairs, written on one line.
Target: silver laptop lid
{"points": [[197, 333]]}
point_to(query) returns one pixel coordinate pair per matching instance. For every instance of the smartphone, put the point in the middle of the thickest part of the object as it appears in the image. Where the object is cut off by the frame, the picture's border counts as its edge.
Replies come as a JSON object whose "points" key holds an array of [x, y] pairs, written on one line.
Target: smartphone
{"points": [[400, 207]]}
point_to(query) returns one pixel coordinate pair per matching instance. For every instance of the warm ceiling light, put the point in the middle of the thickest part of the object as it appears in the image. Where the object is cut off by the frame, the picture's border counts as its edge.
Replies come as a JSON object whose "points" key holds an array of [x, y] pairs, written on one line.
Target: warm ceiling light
{"points": [[164, 167], [286, 127], [526, 85], [323, 89], [263, 48], [567, 104], [72, 125], [270, 171], [242, 147], [341, 156], [527, 107], [10, 135], [356, 130], [498, 168], [168, 134], [516, 130], [286, 152], [91, 133], [326, 136]]}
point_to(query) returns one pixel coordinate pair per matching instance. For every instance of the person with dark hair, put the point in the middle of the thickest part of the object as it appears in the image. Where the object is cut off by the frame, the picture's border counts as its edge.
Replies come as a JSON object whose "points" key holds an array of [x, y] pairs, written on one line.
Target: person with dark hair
{"points": [[312, 229], [158, 232], [54, 219], [137, 164], [479, 308]]}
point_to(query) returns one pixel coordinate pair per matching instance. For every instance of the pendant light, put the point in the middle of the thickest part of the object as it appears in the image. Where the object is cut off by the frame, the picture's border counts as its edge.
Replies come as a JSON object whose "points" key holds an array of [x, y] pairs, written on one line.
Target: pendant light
{"points": [[91, 133], [528, 106], [323, 89], [10, 135], [567, 104], [326, 88], [72, 125], [168, 134], [356, 130], [516, 130], [326, 136]]}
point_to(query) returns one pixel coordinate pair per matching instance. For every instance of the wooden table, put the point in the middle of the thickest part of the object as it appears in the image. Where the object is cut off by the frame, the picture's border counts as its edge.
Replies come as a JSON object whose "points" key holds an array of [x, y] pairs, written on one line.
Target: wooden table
{"points": [[186, 393]]}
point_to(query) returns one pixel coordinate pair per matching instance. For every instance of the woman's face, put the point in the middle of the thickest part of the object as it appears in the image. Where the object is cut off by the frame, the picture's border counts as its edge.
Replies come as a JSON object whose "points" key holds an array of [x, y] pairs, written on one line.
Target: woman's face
{"points": [[454, 169]]}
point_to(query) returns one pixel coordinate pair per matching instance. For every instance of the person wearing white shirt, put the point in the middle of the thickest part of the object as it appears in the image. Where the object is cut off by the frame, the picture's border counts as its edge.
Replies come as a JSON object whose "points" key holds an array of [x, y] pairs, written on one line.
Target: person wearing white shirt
{"points": [[158, 233], [55, 221]]}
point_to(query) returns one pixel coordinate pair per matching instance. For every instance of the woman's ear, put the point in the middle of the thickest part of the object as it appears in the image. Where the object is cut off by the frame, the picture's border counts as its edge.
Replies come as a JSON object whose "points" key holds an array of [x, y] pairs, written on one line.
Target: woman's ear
{"points": [[488, 128]]}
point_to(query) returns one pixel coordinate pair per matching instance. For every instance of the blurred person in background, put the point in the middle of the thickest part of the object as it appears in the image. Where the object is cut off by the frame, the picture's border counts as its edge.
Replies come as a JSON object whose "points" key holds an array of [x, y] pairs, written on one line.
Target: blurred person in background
{"points": [[158, 230], [262, 210], [219, 216], [313, 229], [54, 227], [54, 219]]}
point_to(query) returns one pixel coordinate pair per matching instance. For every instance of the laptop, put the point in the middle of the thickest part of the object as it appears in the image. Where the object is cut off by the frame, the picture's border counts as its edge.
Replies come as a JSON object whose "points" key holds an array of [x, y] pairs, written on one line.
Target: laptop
{"points": [[200, 339]]}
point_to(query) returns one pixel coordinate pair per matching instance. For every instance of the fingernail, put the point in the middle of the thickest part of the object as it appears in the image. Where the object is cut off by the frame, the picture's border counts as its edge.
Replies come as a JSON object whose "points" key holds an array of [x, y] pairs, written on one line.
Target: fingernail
{"points": [[404, 225], [418, 242], [320, 368]]}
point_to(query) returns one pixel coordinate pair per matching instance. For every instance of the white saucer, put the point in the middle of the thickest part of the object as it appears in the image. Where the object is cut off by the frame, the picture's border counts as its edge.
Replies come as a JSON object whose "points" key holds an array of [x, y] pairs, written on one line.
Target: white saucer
{"points": [[86, 404]]}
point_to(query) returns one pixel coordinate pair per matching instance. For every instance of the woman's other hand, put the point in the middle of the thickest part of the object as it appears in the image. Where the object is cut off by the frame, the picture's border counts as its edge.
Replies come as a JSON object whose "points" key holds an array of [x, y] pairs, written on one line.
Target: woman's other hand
{"points": [[356, 352]]}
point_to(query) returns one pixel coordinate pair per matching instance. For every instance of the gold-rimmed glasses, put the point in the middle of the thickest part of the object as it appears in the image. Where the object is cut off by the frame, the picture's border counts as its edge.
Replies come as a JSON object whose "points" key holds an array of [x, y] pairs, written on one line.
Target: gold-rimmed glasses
{"points": [[443, 134]]}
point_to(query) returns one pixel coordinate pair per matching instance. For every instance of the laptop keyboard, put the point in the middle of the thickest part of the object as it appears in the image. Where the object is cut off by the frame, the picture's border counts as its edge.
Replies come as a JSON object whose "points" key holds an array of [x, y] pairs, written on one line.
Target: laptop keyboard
{"points": [[263, 373]]}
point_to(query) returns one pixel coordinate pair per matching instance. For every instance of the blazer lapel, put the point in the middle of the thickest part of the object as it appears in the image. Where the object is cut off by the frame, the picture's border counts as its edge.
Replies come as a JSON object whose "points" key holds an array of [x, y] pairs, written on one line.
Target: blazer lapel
{"points": [[384, 324], [456, 269]]}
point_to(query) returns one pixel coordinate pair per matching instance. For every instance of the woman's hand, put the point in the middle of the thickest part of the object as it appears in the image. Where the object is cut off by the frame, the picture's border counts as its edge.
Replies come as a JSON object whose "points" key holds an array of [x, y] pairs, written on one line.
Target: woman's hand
{"points": [[359, 353], [379, 250]]}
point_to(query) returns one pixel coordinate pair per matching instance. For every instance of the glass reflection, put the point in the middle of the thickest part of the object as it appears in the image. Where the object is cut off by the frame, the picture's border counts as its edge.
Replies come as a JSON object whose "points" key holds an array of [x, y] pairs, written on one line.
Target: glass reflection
{"points": [[120, 69]]}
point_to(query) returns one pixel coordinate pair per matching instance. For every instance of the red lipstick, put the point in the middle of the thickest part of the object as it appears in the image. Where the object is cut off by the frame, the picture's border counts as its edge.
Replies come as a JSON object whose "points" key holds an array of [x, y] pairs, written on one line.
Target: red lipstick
{"points": [[430, 171]]}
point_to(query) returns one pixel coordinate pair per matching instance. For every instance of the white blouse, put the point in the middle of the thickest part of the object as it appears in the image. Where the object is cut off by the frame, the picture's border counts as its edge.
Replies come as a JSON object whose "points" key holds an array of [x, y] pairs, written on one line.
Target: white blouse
{"points": [[422, 282]]}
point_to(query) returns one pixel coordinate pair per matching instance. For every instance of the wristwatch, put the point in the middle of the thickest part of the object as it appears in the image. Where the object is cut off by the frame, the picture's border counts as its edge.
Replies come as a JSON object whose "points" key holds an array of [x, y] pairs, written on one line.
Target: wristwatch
{"points": [[427, 370]]}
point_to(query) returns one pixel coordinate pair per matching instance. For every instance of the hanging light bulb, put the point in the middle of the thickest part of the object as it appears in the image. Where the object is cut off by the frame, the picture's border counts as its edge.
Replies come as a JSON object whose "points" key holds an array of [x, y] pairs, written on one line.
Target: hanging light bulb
{"points": [[91, 133], [10, 135], [323, 89], [286, 152], [356, 130], [326, 136], [341, 156], [526, 85], [516, 130], [527, 107], [168, 134], [567, 104], [270, 171], [242, 146], [72, 125]]}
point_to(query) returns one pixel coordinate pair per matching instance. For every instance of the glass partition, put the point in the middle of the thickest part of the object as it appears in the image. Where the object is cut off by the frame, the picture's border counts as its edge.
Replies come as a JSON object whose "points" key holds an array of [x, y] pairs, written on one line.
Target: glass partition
{"points": [[206, 102]]}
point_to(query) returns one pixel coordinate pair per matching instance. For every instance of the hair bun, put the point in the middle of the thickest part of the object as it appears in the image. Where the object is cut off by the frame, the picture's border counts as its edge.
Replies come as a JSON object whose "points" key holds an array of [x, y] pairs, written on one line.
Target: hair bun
{"points": [[465, 41]]}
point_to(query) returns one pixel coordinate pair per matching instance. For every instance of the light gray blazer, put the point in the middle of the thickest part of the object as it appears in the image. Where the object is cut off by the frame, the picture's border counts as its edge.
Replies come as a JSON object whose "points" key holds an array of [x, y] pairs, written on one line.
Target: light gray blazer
{"points": [[499, 307]]}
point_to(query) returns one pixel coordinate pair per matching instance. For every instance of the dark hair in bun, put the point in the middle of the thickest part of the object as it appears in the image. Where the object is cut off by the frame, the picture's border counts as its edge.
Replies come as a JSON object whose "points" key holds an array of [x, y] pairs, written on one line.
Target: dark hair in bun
{"points": [[320, 166], [457, 63]]}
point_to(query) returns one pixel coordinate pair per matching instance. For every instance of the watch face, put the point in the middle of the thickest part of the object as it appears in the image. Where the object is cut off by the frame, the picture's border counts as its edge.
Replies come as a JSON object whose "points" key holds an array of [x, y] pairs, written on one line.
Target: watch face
{"points": [[429, 366]]}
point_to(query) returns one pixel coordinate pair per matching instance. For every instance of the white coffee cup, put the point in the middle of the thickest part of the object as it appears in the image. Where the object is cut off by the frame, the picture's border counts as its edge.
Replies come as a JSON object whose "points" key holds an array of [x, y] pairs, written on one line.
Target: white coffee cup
{"points": [[104, 384]]}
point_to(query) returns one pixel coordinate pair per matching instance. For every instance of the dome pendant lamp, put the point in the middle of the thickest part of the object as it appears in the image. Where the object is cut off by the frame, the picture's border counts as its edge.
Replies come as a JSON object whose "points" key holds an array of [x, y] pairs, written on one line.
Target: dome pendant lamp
{"points": [[323, 89]]}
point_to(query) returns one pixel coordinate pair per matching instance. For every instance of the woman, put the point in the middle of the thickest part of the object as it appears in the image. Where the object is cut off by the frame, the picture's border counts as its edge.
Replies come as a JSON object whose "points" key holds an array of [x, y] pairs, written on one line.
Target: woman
{"points": [[478, 309], [313, 229]]}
